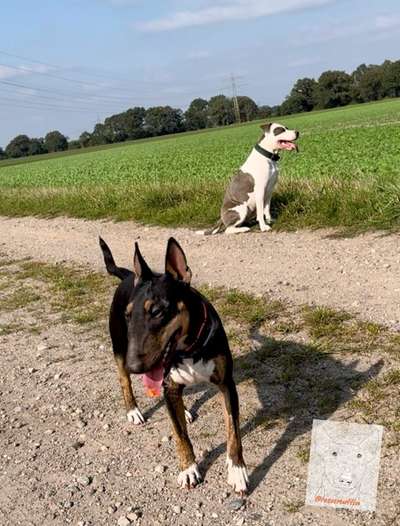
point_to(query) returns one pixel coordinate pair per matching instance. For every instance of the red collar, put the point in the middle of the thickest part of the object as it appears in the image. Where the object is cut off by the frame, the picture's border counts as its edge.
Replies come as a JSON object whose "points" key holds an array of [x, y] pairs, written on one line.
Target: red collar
{"points": [[202, 327]]}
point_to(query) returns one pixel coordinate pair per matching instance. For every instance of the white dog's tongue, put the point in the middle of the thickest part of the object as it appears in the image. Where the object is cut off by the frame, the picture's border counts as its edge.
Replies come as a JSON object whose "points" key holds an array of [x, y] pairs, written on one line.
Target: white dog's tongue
{"points": [[152, 380], [287, 145]]}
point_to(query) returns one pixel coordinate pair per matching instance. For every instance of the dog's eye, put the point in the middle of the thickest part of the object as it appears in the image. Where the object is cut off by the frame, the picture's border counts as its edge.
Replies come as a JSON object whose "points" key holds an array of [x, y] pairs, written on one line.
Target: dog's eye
{"points": [[334, 454], [279, 130], [156, 312]]}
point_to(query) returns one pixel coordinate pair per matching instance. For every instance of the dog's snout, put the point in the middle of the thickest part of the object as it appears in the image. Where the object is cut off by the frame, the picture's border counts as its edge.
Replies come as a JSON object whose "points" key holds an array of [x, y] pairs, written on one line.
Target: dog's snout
{"points": [[135, 367], [297, 134]]}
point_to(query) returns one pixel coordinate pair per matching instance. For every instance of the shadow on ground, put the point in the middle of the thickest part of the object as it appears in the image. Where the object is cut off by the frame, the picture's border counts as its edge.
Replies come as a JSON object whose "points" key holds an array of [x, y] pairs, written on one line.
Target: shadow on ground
{"points": [[295, 383]]}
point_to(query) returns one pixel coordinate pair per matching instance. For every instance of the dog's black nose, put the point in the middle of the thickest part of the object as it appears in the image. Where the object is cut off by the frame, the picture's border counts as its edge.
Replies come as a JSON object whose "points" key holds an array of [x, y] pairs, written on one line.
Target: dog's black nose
{"points": [[297, 134], [135, 367]]}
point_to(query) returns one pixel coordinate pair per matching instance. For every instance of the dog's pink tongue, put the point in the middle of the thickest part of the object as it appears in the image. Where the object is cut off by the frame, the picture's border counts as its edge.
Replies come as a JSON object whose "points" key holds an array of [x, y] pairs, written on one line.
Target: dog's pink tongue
{"points": [[152, 380], [287, 145]]}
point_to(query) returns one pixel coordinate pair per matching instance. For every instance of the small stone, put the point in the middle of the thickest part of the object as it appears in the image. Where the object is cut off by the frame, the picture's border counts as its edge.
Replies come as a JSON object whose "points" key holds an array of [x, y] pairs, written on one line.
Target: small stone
{"points": [[84, 481], [68, 504], [57, 376], [106, 427], [128, 474], [102, 348], [177, 509], [165, 439], [49, 431], [81, 424], [32, 370], [133, 516], [123, 521], [111, 509], [240, 521], [236, 504], [160, 468], [78, 444], [214, 515], [41, 347]]}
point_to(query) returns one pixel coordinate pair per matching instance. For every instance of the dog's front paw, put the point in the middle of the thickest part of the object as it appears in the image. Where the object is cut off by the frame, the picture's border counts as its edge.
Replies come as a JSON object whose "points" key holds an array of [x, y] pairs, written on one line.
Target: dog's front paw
{"points": [[190, 477], [265, 228], [135, 416], [237, 476]]}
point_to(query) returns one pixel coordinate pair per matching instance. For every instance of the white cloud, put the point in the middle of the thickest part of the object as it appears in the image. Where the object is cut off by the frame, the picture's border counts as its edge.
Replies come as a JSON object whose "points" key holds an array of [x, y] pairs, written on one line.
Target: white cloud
{"points": [[387, 21], [228, 11], [8, 72]]}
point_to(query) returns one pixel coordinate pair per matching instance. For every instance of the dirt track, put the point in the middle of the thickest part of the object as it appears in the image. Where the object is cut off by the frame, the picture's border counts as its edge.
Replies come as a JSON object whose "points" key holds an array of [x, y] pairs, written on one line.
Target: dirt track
{"points": [[68, 455], [357, 274]]}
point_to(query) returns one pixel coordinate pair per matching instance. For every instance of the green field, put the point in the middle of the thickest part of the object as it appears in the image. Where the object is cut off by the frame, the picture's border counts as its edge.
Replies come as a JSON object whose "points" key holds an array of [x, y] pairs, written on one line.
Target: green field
{"points": [[347, 174]]}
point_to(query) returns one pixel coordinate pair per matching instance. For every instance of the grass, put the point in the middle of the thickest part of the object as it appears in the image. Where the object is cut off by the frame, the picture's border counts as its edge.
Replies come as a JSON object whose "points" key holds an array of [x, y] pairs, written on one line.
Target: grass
{"points": [[346, 176]]}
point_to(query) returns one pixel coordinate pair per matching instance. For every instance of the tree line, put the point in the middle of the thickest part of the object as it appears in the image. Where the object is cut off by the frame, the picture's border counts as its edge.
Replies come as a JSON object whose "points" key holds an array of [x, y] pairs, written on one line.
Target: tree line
{"points": [[331, 90]]}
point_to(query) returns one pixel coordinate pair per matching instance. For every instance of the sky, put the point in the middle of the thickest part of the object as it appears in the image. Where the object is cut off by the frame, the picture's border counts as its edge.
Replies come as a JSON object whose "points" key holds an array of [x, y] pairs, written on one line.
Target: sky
{"points": [[68, 64]]}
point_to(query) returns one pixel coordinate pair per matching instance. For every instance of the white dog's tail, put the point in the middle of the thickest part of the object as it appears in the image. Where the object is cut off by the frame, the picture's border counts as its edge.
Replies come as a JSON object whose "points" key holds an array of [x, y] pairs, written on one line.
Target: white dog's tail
{"points": [[216, 229]]}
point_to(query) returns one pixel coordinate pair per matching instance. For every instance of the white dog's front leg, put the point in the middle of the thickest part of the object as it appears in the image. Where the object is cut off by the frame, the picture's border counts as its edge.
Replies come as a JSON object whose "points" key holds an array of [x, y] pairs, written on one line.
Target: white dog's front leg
{"points": [[267, 212], [260, 215]]}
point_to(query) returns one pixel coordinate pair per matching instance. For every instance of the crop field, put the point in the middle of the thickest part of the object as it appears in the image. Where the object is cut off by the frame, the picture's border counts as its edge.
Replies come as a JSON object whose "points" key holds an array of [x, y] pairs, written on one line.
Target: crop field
{"points": [[346, 175]]}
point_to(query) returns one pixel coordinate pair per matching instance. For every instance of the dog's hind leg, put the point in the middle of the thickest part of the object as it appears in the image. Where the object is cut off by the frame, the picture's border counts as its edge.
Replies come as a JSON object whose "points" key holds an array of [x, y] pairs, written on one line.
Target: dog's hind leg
{"points": [[133, 413], [234, 218], [189, 475], [236, 230], [237, 472]]}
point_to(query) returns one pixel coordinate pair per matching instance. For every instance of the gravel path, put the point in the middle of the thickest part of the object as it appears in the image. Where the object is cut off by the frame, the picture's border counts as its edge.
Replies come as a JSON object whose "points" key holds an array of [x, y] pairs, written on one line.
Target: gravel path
{"points": [[357, 274]]}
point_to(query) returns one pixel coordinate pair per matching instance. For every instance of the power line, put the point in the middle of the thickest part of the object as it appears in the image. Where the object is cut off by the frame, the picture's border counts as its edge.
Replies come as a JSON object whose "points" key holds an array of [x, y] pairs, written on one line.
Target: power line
{"points": [[66, 93], [34, 61], [39, 105]]}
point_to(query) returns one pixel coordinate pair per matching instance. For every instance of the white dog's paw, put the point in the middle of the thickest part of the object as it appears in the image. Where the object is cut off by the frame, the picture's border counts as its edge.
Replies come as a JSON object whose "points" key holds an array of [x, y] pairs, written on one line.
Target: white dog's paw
{"points": [[190, 477], [188, 416], [135, 416], [237, 476], [265, 228]]}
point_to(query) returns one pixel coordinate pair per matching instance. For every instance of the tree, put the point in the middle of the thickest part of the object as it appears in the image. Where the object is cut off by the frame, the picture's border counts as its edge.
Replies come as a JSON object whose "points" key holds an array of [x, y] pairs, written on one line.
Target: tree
{"points": [[2, 154], [162, 120], [101, 135], [264, 112], [276, 111], [37, 147], [18, 147], [334, 89], [84, 139], [196, 116], [55, 141], [126, 125], [74, 145], [220, 110], [370, 85], [391, 79], [248, 109]]}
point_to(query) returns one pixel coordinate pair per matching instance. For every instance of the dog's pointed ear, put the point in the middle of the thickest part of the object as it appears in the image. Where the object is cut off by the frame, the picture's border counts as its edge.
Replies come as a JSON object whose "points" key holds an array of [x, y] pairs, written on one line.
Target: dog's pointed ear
{"points": [[266, 127], [175, 262], [142, 270]]}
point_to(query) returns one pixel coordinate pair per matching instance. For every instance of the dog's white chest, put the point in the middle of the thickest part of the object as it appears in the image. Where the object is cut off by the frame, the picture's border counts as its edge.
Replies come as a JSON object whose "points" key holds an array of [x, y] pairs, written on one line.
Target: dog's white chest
{"points": [[189, 372]]}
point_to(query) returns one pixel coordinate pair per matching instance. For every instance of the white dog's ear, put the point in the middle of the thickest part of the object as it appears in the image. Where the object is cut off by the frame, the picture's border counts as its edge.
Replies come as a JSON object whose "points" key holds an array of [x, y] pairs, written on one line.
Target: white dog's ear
{"points": [[266, 127]]}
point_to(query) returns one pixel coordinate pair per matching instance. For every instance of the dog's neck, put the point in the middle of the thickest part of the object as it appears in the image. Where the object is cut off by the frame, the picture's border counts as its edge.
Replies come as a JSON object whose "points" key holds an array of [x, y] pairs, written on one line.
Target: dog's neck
{"points": [[266, 153]]}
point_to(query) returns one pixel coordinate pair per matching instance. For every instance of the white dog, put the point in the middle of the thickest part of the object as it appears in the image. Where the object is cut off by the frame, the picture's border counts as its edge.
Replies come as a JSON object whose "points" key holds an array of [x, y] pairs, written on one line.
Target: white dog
{"points": [[249, 193]]}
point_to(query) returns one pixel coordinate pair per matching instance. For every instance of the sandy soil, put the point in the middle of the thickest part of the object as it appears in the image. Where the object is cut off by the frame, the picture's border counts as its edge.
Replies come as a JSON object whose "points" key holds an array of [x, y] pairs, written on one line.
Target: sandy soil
{"points": [[358, 274]]}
